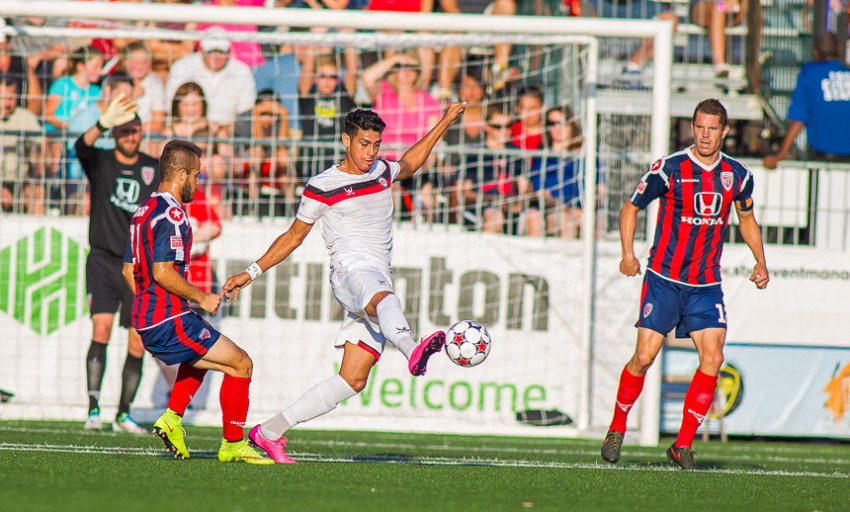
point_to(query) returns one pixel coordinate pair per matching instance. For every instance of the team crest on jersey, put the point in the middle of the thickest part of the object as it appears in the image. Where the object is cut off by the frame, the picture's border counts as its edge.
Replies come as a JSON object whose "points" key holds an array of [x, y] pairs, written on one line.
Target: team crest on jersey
{"points": [[176, 243], [205, 334], [383, 182], [175, 215], [726, 180], [647, 309], [147, 174], [656, 165]]}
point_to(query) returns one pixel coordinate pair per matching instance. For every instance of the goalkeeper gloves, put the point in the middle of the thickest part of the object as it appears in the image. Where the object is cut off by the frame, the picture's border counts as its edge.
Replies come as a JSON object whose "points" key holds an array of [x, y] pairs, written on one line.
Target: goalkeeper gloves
{"points": [[120, 111]]}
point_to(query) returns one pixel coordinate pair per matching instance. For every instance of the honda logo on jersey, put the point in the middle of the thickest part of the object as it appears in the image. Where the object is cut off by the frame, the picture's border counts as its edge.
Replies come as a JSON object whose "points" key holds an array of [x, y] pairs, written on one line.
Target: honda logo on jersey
{"points": [[127, 190], [708, 204]]}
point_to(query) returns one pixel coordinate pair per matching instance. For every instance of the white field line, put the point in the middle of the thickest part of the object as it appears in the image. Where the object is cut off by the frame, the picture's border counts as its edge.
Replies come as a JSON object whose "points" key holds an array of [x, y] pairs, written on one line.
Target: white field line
{"points": [[474, 445], [401, 459]]}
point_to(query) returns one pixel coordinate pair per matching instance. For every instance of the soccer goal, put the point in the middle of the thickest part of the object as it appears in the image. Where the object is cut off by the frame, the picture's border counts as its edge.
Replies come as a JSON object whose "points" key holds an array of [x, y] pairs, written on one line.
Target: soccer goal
{"points": [[559, 315]]}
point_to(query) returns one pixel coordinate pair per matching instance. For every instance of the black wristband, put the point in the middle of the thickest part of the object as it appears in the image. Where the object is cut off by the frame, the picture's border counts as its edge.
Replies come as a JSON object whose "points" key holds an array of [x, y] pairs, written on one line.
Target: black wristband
{"points": [[100, 126]]}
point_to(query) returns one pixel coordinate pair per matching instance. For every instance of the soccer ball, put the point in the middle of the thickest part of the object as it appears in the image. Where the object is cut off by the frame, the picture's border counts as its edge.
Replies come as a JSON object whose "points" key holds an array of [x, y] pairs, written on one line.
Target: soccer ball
{"points": [[467, 343]]}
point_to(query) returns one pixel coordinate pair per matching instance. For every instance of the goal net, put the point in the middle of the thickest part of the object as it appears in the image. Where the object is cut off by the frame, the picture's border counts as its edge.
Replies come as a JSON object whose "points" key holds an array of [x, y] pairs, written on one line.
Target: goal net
{"points": [[512, 222]]}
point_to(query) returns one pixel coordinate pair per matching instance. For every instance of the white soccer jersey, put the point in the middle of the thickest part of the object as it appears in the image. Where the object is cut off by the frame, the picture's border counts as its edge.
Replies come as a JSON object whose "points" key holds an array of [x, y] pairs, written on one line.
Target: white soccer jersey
{"points": [[357, 214]]}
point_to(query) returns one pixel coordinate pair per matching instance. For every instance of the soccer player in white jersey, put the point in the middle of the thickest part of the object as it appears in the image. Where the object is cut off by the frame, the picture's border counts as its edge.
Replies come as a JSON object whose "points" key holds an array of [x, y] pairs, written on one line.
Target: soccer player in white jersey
{"points": [[354, 199]]}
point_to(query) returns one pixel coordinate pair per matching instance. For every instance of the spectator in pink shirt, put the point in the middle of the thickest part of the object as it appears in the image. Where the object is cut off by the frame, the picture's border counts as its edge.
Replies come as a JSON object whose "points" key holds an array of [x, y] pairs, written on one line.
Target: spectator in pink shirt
{"points": [[408, 111], [247, 52]]}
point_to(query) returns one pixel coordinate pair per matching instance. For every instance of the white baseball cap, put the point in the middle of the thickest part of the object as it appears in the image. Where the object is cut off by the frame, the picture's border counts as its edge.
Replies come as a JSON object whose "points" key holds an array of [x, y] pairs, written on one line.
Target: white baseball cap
{"points": [[216, 42]]}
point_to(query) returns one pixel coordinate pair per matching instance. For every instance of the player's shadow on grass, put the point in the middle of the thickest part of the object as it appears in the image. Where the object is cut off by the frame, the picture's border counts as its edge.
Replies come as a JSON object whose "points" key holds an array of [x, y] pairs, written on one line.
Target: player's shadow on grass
{"points": [[394, 458], [384, 458]]}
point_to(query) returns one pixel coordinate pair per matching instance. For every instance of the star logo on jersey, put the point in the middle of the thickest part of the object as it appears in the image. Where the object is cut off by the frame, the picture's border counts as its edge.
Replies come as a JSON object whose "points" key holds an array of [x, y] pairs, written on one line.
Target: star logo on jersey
{"points": [[175, 215], [147, 174], [726, 180], [656, 165], [647, 309]]}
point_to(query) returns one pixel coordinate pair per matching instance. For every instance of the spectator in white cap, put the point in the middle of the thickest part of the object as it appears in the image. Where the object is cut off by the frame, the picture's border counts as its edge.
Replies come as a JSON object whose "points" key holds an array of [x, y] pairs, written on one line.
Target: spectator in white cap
{"points": [[228, 84]]}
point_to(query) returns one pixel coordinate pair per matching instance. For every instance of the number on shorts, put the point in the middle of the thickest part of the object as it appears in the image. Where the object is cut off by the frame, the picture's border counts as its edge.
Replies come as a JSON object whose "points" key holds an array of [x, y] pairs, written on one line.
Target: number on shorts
{"points": [[722, 314]]}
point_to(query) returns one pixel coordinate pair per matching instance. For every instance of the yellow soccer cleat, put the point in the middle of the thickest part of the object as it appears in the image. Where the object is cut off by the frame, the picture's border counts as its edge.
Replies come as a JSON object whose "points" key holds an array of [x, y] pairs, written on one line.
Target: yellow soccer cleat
{"points": [[240, 452], [169, 428]]}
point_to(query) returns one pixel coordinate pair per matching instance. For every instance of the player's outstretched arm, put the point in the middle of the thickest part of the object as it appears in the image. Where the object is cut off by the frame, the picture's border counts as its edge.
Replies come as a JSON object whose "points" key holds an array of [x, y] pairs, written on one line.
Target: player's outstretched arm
{"points": [[629, 264], [166, 276], [277, 252], [414, 157], [751, 233], [121, 110]]}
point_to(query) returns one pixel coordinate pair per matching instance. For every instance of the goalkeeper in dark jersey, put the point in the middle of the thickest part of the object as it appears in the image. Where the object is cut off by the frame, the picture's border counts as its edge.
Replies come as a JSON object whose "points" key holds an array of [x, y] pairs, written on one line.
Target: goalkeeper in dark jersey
{"points": [[120, 180]]}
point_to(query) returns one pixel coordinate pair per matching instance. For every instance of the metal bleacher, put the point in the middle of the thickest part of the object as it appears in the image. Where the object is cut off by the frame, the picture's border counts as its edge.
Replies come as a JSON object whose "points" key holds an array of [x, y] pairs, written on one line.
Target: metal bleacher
{"points": [[692, 75]]}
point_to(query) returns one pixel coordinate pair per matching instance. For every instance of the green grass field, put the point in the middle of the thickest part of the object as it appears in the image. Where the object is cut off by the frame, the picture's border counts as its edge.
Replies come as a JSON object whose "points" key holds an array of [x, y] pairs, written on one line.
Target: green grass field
{"points": [[55, 466]]}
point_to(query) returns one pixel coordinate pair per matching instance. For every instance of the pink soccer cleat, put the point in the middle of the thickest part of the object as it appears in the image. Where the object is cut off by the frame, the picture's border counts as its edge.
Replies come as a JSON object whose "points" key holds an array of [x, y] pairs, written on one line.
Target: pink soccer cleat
{"points": [[428, 346], [273, 448]]}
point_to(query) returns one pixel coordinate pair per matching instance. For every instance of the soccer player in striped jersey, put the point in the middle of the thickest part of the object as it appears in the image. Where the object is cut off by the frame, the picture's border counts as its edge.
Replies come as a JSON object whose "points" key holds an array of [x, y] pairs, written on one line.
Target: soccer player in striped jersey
{"points": [[354, 200], [155, 266], [696, 188]]}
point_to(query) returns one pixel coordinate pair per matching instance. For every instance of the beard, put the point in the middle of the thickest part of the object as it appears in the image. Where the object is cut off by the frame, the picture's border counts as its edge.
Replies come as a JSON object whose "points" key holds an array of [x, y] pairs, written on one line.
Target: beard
{"points": [[128, 151], [187, 192]]}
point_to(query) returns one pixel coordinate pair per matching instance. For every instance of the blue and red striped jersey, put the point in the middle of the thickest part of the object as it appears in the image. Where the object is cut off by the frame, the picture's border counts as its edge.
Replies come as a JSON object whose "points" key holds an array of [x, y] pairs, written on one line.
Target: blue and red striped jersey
{"points": [[693, 214], [159, 232]]}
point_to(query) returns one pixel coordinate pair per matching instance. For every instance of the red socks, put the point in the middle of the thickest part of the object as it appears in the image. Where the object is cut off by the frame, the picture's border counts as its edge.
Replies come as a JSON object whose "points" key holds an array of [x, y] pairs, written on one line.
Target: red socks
{"points": [[188, 381], [627, 394], [234, 406], [697, 401]]}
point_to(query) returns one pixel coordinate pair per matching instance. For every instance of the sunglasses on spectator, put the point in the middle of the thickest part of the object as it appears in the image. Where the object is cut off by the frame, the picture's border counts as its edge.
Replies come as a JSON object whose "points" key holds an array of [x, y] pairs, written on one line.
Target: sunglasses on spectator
{"points": [[401, 67], [557, 122], [328, 75], [499, 126]]}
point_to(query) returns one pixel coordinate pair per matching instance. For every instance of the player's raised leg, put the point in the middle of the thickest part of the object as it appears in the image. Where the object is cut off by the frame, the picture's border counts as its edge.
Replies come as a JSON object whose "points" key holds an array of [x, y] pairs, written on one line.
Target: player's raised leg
{"points": [[386, 306]]}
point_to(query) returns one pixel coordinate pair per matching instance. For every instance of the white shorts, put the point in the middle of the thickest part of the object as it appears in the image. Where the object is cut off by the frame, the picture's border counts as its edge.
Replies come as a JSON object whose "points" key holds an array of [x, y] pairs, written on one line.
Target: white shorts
{"points": [[354, 288], [361, 331]]}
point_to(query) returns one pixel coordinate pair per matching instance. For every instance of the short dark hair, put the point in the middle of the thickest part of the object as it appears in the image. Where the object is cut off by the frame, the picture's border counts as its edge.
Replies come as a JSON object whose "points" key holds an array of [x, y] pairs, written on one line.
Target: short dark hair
{"points": [[363, 120], [826, 45], [532, 90], [8, 81], [82, 55], [265, 95], [177, 154], [115, 79], [136, 46], [711, 107]]}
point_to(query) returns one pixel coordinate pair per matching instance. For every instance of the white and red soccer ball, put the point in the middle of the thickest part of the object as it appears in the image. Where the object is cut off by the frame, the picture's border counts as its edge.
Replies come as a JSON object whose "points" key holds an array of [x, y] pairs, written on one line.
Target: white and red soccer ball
{"points": [[467, 343]]}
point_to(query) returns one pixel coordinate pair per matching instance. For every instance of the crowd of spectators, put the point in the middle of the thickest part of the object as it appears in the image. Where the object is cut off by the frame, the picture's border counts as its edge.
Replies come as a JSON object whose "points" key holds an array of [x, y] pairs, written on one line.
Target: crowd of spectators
{"points": [[269, 118]]}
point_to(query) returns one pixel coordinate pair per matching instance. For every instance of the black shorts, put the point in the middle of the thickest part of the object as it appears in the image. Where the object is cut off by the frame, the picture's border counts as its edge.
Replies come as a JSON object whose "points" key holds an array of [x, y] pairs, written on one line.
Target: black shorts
{"points": [[107, 290]]}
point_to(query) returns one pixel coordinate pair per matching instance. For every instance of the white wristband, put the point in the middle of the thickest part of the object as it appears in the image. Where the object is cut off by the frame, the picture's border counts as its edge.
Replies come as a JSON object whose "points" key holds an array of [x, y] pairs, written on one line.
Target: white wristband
{"points": [[254, 271]]}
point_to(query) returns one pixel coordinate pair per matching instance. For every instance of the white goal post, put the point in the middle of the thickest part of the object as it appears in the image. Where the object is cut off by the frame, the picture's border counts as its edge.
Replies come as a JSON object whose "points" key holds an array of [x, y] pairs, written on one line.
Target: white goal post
{"points": [[434, 30]]}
